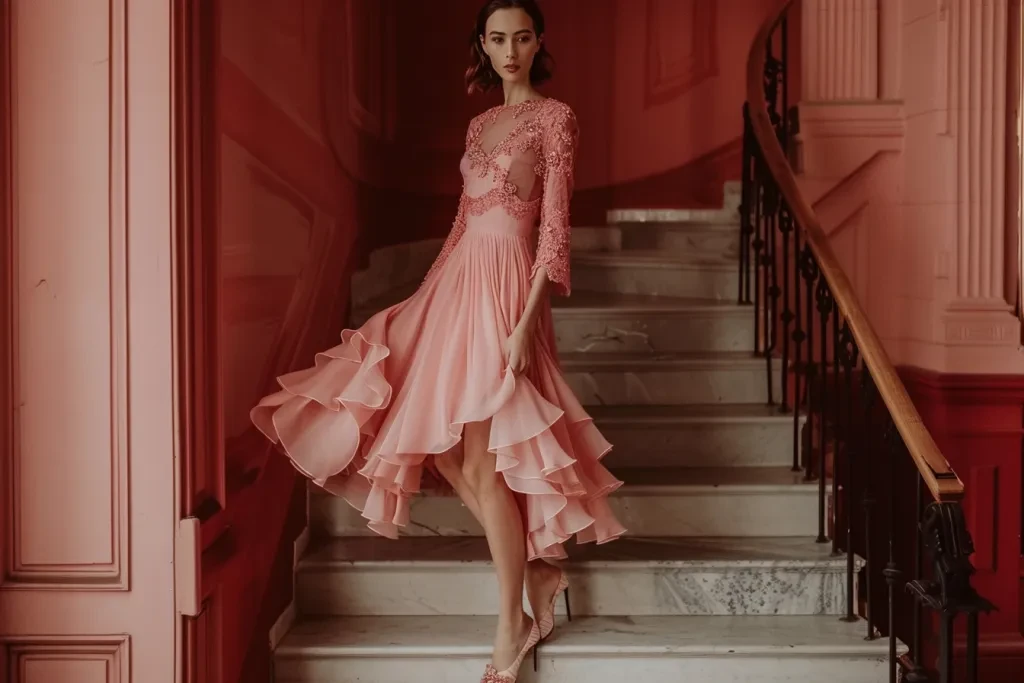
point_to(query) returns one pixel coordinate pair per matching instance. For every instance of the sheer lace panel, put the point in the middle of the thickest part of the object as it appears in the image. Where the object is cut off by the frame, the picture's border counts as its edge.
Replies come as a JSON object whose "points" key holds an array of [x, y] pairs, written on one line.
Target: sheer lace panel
{"points": [[522, 158]]}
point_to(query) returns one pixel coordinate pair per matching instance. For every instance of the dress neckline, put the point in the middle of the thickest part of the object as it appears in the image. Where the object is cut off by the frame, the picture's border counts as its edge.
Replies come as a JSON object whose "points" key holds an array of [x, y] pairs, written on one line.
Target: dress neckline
{"points": [[524, 104]]}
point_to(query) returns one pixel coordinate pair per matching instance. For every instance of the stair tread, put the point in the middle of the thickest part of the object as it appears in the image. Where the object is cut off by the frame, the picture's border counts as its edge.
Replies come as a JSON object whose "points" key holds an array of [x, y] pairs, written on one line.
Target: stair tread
{"points": [[764, 479], [433, 635], [728, 225], [690, 413], [693, 553], [665, 481], [583, 299], [634, 215], [664, 359], [658, 258]]}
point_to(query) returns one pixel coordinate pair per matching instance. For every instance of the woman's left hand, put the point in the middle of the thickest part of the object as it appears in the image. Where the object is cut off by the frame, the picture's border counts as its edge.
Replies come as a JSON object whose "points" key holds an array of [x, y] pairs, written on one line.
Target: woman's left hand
{"points": [[519, 348]]}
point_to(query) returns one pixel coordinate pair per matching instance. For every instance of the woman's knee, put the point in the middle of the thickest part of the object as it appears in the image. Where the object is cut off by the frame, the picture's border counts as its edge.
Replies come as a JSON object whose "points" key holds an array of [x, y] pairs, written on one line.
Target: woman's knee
{"points": [[478, 463], [449, 464]]}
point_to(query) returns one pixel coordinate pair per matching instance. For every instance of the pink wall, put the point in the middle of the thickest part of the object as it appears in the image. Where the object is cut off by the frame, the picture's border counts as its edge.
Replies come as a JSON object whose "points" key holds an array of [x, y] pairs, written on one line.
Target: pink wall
{"points": [[87, 439], [910, 169], [656, 84]]}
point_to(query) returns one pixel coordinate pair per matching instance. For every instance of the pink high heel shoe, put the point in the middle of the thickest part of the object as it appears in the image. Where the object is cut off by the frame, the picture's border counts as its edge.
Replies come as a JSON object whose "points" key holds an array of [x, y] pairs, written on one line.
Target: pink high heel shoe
{"points": [[509, 675], [546, 620]]}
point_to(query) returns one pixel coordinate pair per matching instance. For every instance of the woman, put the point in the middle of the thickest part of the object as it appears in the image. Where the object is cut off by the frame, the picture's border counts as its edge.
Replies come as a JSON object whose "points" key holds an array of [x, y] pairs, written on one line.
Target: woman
{"points": [[462, 378]]}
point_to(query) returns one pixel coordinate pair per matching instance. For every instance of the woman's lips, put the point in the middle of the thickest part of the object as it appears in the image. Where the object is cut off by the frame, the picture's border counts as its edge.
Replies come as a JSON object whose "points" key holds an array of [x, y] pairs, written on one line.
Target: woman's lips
{"points": [[511, 68]]}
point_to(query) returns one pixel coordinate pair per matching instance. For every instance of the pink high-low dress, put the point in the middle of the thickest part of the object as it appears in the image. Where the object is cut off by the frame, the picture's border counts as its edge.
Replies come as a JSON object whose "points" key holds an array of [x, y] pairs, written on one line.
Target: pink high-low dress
{"points": [[371, 414]]}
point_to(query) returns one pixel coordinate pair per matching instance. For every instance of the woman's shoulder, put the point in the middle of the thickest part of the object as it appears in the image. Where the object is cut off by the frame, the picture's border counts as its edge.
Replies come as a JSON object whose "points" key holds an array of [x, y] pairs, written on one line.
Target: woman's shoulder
{"points": [[557, 112]]}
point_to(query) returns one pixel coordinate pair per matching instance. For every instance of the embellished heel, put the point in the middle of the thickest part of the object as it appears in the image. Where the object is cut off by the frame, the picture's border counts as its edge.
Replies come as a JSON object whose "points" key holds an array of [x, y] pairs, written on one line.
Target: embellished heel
{"points": [[509, 675]]}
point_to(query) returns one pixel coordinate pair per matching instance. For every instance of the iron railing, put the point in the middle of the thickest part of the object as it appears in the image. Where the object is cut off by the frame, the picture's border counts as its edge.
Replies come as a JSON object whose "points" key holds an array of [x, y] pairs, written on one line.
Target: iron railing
{"points": [[856, 432]]}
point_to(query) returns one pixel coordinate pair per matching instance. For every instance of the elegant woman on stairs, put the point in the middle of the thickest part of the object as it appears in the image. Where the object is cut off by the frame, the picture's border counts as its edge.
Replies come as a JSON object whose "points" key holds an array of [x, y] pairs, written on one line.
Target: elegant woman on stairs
{"points": [[462, 378]]}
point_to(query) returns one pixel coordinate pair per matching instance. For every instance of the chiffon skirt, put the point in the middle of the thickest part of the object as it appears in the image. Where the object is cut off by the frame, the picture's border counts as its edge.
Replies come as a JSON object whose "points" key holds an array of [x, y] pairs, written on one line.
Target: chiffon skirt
{"points": [[370, 415]]}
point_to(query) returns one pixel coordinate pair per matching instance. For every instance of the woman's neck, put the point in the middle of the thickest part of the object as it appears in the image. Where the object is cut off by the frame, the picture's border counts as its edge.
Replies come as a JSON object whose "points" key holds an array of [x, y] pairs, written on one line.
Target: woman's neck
{"points": [[515, 94]]}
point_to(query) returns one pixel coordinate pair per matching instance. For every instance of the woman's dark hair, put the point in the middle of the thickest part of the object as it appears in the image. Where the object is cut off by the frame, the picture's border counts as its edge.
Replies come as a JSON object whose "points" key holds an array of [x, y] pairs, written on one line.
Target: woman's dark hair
{"points": [[480, 76]]}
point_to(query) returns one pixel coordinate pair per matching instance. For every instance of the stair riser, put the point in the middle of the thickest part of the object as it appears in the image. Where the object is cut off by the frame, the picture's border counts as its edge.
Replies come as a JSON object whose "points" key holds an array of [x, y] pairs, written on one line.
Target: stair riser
{"points": [[706, 512], [730, 330], [699, 283], [719, 242], [633, 590], [591, 668], [746, 383], [724, 444]]}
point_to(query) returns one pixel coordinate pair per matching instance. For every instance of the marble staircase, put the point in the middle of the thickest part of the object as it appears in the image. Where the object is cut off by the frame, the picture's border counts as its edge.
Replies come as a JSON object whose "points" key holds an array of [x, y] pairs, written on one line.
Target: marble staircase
{"points": [[720, 578]]}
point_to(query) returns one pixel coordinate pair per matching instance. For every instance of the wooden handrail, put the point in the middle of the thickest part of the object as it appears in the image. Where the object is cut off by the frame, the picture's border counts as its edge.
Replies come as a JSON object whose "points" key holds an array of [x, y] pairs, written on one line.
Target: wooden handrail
{"points": [[936, 472]]}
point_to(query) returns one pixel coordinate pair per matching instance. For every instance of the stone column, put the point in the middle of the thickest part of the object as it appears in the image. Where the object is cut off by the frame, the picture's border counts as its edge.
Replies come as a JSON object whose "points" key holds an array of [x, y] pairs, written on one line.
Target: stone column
{"points": [[840, 50], [977, 44]]}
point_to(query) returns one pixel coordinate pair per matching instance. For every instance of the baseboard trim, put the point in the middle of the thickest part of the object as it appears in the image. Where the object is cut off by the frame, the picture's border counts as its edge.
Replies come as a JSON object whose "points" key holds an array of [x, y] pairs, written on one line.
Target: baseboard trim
{"points": [[287, 618]]}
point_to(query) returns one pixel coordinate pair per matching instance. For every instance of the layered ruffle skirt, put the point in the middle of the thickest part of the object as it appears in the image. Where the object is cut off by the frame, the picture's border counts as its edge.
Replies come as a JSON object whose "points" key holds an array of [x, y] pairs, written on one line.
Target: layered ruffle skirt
{"points": [[367, 419]]}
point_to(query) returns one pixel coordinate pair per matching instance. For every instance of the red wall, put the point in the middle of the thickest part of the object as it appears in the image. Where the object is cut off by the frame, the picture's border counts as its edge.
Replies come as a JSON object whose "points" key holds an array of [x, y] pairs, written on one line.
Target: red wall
{"points": [[287, 217], [657, 86], [978, 422]]}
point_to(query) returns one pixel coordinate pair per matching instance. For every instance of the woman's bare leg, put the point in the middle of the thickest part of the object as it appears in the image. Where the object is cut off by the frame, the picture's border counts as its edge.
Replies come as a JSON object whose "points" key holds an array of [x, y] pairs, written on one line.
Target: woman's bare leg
{"points": [[503, 526], [541, 578], [449, 464]]}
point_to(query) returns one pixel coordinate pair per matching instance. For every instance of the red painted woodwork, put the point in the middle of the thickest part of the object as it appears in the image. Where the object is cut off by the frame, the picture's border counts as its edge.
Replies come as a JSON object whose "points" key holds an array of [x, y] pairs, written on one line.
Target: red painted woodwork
{"points": [[978, 422], [267, 219]]}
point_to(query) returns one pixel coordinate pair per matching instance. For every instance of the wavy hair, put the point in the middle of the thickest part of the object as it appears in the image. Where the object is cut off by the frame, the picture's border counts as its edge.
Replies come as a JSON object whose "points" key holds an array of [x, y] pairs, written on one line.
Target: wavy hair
{"points": [[481, 76]]}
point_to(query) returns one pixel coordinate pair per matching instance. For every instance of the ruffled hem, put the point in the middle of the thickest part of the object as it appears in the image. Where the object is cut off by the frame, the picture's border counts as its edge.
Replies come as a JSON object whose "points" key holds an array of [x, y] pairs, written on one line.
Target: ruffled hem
{"points": [[326, 419]]}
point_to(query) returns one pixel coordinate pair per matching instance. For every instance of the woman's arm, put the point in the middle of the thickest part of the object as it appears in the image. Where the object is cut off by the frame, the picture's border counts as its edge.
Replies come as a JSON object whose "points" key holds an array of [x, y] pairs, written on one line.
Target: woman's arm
{"points": [[551, 264]]}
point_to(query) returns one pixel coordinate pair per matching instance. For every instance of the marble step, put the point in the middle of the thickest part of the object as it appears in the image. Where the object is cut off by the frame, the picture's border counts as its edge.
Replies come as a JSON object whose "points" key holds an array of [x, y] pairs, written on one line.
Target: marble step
{"points": [[726, 215], [437, 649], [595, 321], [632, 576], [637, 323], [668, 378], [710, 242], [655, 273], [653, 502], [712, 435]]}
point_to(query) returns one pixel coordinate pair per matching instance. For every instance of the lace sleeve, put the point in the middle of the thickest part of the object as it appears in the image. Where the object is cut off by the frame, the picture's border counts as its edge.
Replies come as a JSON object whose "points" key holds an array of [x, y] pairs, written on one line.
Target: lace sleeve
{"points": [[458, 228], [560, 141]]}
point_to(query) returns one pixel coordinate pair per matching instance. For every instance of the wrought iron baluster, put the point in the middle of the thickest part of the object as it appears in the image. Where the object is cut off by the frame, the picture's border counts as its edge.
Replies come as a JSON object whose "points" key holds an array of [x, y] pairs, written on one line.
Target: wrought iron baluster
{"points": [[798, 339], [746, 190], [836, 427], [771, 284], [809, 271], [893, 448], [786, 228], [848, 355], [949, 545], [823, 297], [867, 391], [760, 173]]}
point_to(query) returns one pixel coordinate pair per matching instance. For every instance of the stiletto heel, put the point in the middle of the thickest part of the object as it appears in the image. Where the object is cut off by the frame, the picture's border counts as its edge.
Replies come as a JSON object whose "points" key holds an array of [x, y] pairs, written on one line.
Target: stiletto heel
{"points": [[546, 621], [509, 675]]}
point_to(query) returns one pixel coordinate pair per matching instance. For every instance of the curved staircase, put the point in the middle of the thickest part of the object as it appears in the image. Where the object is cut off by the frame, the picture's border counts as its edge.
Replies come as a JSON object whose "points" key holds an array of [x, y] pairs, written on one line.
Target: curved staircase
{"points": [[720, 578]]}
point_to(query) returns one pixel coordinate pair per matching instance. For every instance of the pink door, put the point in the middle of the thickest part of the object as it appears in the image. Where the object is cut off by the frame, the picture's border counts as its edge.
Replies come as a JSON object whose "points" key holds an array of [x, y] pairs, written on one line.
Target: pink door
{"points": [[87, 436]]}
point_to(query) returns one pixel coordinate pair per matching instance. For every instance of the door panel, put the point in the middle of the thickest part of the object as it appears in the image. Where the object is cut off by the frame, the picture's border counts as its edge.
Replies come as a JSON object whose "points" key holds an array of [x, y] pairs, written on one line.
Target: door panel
{"points": [[87, 454]]}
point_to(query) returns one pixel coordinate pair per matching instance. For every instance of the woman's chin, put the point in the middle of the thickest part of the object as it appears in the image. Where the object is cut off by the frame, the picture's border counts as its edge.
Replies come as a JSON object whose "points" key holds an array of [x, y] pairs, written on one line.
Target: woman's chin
{"points": [[514, 79]]}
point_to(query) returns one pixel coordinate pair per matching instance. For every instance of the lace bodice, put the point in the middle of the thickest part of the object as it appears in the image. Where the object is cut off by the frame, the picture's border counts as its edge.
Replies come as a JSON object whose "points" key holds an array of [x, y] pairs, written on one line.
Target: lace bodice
{"points": [[521, 158]]}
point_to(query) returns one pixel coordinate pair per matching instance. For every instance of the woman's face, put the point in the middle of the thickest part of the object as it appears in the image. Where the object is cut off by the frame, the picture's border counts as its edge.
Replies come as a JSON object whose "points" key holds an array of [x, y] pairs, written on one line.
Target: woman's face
{"points": [[510, 42]]}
